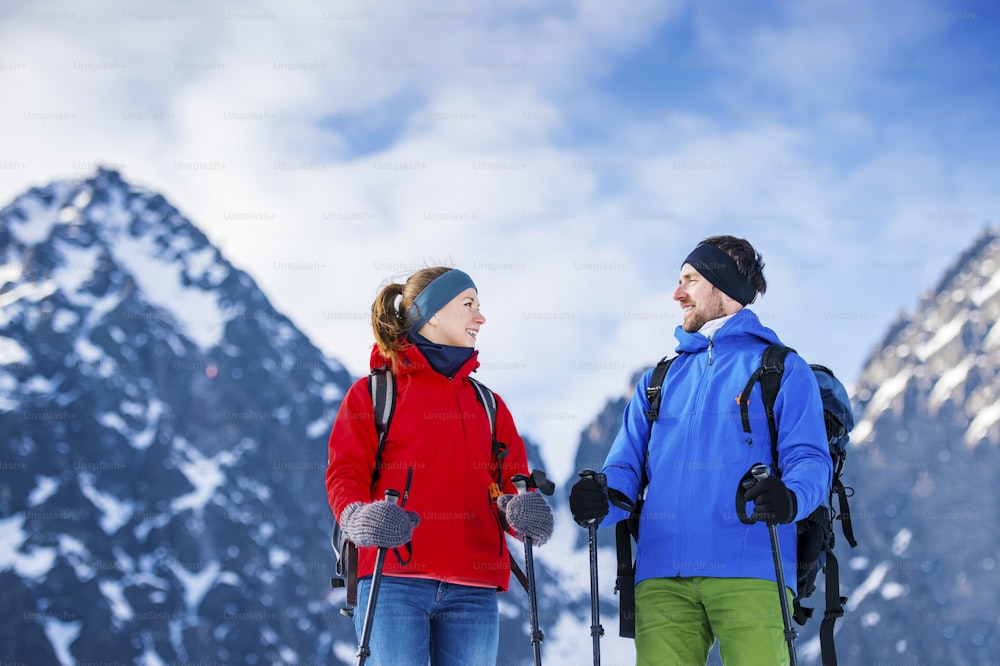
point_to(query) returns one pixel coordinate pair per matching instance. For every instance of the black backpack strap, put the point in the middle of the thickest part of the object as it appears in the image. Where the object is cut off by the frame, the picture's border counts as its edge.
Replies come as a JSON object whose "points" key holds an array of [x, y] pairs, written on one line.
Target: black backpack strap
{"points": [[845, 511], [834, 609], [772, 367], [350, 570], [625, 582], [488, 400], [382, 387], [628, 529], [654, 393]]}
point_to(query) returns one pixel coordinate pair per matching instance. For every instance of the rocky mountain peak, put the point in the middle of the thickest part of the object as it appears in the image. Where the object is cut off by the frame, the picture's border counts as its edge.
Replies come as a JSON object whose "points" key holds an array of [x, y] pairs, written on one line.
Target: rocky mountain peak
{"points": [[164, 440], [941, 361]]}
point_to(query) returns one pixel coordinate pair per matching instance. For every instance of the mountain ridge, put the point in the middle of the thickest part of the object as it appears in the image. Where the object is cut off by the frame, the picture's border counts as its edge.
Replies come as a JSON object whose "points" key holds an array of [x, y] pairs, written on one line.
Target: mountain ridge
{"points": [[166, 425], [161, 496], [165, 443]]}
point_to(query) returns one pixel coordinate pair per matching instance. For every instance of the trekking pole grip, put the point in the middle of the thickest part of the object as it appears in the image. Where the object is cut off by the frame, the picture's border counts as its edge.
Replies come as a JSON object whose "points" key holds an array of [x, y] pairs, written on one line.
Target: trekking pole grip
{"points": [[539, 481], [759, 472], [520, 482], [591, 474], [754, 475]]}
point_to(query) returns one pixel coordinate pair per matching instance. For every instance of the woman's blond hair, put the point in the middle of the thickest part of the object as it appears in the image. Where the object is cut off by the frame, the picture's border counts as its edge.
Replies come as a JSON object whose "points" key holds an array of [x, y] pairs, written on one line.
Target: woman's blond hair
{"points": [[389, 310]]}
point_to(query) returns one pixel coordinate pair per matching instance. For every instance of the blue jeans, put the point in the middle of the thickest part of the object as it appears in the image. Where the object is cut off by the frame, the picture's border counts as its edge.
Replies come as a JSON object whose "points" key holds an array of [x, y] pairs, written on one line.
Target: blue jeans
{"points": [[420, 621]]}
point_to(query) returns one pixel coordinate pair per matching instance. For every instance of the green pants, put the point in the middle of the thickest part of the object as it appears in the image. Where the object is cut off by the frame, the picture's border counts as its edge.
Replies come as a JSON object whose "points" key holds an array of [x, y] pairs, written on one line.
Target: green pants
{"points": [[678, 619]]}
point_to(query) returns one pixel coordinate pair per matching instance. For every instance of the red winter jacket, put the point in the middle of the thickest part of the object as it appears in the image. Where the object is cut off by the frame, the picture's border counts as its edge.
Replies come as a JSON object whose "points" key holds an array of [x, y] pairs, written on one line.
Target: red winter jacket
{"points": [[441, 431]]}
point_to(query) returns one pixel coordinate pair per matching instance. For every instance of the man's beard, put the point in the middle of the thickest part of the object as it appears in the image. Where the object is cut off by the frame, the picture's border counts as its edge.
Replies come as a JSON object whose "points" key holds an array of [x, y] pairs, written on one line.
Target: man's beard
{"points": [[710, 308]]}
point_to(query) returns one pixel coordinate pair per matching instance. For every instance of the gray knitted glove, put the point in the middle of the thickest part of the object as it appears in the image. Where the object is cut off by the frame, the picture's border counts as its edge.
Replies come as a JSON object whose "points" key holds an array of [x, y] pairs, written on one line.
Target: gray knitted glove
{"points": [[528, 515], [382, 523]]}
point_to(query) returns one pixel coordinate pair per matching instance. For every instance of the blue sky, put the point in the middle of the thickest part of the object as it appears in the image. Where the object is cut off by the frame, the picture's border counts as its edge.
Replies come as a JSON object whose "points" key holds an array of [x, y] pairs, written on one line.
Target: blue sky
{"points": [[567, 155]]}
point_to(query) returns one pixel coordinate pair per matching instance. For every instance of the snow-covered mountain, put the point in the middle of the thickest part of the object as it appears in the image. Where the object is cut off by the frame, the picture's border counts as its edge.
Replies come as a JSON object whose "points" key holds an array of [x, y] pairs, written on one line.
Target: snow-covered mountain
{"points": [[162, 444], [923, 584], [163, 437]]}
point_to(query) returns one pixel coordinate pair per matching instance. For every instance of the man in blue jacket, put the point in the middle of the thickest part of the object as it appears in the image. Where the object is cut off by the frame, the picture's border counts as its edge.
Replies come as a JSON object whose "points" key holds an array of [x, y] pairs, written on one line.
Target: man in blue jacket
{"points": [[701, 574]]}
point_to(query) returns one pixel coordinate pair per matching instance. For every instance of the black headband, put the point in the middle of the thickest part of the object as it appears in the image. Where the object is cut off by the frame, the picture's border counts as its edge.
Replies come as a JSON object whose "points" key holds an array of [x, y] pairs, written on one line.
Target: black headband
{"points": [[720, 269]]}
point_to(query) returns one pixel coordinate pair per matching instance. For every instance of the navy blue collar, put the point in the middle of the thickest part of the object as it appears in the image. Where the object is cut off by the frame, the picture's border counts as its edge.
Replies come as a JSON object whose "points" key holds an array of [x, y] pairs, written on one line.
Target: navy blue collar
{"points": [[444, 359]]}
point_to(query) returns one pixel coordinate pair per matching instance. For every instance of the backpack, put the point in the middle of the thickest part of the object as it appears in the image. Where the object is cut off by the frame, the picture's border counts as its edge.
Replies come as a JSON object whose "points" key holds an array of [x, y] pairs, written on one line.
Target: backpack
{"points": [[382, 388], [815, 533]]}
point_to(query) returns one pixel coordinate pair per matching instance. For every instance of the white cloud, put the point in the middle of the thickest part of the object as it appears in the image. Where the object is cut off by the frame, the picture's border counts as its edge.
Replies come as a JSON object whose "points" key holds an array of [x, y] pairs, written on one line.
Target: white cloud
{"points": [[372, 138]]}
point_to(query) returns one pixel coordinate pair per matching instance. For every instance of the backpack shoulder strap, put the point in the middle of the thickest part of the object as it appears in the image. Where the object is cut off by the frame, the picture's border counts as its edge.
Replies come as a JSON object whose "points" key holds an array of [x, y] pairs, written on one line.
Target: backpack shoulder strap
{"points": [[488, 399], [834, 609], [489, 402], [627, 529], [382, 387], [772, 367], [625, 581], [654, 392]]}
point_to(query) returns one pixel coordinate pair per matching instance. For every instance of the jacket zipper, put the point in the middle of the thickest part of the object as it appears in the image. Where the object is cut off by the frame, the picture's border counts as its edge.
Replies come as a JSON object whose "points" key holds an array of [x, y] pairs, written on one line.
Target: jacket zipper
{"points": [[699, 407]]}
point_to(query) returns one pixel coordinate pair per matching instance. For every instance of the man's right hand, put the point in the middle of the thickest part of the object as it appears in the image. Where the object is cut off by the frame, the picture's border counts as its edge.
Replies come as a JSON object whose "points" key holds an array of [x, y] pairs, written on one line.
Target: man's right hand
{"points": [[588, 499]]}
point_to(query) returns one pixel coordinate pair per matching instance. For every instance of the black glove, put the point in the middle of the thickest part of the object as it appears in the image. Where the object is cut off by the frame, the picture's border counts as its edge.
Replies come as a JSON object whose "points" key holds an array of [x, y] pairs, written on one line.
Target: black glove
{"points": [[528, 515], [773, 502], [381, 523], [588, 499]]}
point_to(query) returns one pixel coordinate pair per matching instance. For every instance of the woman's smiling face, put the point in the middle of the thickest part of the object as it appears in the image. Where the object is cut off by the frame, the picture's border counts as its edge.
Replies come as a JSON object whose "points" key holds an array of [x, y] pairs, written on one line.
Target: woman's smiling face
{"points": [[457, 323]]}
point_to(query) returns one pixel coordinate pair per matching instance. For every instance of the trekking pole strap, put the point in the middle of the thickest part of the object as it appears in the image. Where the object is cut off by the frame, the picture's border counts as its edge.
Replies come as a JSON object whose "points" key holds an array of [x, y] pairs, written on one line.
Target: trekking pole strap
{"points": [[519, 574]]}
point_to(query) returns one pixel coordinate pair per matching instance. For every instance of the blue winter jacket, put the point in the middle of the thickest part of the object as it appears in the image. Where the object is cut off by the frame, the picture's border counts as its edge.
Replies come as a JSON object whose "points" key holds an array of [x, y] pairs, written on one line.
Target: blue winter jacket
{"points": [[698, 453]]}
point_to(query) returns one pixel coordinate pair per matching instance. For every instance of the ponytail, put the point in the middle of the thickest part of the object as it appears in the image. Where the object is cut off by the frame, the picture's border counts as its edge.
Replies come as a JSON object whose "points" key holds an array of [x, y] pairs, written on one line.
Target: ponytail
{"points": [[390, 306], [388, 323]]}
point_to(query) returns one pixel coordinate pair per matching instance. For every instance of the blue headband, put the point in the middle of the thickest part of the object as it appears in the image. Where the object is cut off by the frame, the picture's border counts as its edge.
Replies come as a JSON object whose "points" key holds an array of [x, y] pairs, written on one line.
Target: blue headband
{"points": [[720, 269], [435, 296]]}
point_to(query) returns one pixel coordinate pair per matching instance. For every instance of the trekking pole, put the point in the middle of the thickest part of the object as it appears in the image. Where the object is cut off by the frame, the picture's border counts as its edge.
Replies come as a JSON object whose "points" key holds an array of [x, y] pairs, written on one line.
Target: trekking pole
{"points": [[596, 630], [760, 472], [521, 482], [363, 650]]}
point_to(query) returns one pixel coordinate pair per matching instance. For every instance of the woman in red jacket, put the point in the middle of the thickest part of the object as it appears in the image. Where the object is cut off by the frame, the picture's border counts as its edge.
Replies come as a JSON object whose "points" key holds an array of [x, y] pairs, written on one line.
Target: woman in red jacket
{"points": [[440, 603]]}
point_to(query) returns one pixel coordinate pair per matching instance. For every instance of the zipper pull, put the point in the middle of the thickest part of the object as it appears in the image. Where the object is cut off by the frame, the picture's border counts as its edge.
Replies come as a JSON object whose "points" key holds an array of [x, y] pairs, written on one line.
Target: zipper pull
{"points": [[711, 345]]}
